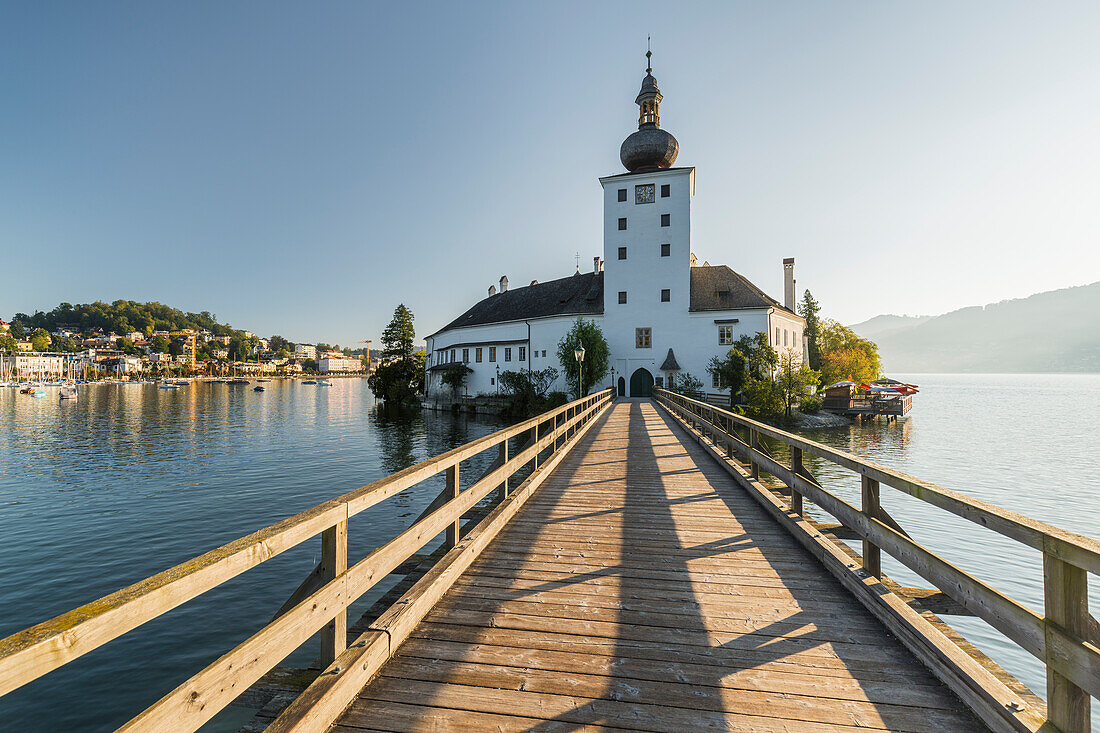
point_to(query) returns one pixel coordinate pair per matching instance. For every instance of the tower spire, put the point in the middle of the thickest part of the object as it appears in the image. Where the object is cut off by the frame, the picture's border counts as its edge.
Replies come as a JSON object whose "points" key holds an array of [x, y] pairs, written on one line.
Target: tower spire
{"points": [[648, 56], [650, 147]]}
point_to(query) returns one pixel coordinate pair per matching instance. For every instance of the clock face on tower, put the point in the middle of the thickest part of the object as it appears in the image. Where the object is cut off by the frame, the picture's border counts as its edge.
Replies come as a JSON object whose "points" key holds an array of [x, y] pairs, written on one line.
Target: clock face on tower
{"points": [[644, 194]]}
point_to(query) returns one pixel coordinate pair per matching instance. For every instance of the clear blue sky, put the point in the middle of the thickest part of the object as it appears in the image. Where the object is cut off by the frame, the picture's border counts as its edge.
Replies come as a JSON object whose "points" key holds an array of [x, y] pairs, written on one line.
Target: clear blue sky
{"points": [[302, 168]]}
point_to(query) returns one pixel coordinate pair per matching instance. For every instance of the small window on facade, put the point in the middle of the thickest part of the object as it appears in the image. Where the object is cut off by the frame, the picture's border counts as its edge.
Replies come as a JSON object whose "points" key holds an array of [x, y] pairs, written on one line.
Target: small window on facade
{"points": [[785, 332], [643, 194], [666, 220], [622, 224], [777, 336], [452, 355], [666, 190], [714, 381], [622, 297], [465, 356], [666, 250], [659, 381], [622, 194], [622, 253], [477, 355], [725, 335], [523, 353], [666, 295], [544, 353], [492, 380], [508, 353], [492, 353], [642, 338]]}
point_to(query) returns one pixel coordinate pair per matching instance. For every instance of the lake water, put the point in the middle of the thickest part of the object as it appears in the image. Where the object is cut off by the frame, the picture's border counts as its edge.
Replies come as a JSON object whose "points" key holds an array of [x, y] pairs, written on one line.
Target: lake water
{"points": [[129, 480]]}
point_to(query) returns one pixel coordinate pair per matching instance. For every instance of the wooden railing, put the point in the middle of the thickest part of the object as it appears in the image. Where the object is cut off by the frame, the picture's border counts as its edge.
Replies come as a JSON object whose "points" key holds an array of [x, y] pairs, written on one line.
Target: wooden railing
{"points": [[324, 598], [1065, 638]]}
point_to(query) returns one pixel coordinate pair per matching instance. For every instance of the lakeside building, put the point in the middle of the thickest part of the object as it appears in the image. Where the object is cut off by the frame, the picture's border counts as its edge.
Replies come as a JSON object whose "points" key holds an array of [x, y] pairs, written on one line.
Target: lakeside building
{"points": [[332, 364], [305, 351], [661, 312], [35, 365]]}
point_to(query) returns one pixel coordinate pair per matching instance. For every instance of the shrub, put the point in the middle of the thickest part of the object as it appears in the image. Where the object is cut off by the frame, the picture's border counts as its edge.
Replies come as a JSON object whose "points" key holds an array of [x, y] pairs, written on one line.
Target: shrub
{"points": [[811, 405]]}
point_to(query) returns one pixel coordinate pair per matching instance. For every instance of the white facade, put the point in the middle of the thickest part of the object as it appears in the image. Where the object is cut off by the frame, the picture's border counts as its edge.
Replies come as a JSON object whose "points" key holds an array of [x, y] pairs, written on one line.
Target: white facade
{"points": [[338, 364], [305, 351], [35, 365], [653, 295]]}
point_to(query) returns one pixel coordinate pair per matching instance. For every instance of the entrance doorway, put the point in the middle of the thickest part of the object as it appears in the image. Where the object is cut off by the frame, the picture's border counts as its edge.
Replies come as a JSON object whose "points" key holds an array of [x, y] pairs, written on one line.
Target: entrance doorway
{"points": [[641, 384], [622, 387]]}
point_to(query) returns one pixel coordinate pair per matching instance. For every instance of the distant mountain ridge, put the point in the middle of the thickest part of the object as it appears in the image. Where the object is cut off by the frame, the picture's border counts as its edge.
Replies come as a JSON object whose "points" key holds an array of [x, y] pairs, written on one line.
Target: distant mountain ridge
{"points": [[1055, 331]]}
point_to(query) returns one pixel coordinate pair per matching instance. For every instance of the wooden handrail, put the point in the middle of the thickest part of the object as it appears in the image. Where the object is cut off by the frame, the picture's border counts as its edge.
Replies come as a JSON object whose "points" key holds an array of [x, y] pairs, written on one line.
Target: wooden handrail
{"points": [[31, 653], [1063, 639]]}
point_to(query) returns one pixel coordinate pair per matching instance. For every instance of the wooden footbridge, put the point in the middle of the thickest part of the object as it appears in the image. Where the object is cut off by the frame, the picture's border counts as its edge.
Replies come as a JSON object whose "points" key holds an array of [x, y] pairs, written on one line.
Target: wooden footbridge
{"points": [[625, 565]]}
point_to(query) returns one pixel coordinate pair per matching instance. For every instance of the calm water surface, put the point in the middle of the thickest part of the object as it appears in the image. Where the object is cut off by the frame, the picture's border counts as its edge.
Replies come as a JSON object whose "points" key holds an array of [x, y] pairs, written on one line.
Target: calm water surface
{"points": [[1024, 442], [129, 480]]}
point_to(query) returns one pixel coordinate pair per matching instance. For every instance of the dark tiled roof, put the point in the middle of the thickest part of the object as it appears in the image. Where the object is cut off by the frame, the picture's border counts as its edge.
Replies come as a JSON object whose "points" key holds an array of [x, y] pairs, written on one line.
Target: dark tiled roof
{"points": [[579, 294], [670, 364], [718, 288]]}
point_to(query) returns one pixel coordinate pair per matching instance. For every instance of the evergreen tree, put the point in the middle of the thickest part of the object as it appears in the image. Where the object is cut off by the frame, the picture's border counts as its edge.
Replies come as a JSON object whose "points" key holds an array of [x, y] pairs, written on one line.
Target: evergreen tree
{"points": [[401, 375], [397, 339], [809, 309]]}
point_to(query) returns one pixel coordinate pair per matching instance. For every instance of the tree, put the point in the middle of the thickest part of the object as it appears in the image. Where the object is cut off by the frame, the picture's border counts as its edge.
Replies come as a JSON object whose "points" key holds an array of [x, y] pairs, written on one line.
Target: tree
{"points": [[278, 343], [399, 335], [175, 347], [795, 379], [764, 397], [454, 376], [809, 309], [847, 355], [17, 331], [159, 345], [761, 359], [596, 355], [691, 386], [528, 390], [8, 343], [40, 341], [401, 375], [730, 371], [239, 348]]}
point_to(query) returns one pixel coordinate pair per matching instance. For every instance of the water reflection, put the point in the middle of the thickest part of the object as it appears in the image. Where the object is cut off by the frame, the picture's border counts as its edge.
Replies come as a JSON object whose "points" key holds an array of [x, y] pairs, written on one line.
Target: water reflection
{"points": [[127, 480]]}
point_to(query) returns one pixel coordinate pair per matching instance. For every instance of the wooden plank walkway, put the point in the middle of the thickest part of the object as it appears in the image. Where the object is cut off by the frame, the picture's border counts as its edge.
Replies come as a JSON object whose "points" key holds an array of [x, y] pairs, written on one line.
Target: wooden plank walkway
{"points": [[641, 588]]}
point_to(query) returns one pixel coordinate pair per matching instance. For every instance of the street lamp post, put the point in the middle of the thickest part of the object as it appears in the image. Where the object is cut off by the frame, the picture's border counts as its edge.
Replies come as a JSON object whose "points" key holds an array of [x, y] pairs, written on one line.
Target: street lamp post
{"points": [[614, 384], [578, 354]]}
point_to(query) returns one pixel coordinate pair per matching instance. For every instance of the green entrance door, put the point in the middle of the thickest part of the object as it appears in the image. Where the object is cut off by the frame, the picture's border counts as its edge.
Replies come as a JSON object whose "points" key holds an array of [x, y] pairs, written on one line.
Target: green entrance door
{"points": [[641, 384]]}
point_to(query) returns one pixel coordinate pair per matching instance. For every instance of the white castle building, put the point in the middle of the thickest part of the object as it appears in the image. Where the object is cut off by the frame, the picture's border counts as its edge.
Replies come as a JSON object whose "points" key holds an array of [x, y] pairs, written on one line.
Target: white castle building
{"points": [[661, 311]]}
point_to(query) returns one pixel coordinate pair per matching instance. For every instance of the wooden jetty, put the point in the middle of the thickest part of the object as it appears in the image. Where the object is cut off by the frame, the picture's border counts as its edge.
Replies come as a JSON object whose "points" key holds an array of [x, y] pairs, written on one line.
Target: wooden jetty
{"points": [[643, 565]]}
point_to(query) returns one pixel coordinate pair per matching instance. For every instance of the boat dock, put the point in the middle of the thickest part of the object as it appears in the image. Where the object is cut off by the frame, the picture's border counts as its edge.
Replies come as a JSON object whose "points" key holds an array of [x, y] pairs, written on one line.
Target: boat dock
{"points": [[627, 564]]}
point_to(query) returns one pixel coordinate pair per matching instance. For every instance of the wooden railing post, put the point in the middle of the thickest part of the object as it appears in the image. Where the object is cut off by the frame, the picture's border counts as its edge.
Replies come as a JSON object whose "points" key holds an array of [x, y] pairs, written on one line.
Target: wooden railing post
{"points": [[454, 530], [334, 561], [872, 560], [535, 458], [503, 461], [1066, 599], [797, 469], [754, 441]]}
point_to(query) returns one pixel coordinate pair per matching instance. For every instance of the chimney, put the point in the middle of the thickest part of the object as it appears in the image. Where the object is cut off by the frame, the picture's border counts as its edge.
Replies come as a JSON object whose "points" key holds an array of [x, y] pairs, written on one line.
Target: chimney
{"points": [[534, 282], [503, 283], [595, 264], [693, 259], [492, 290], [788, 282]]}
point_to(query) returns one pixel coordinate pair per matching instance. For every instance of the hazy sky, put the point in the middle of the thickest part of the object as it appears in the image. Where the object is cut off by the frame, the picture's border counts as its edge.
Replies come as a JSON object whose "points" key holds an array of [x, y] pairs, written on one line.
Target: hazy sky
{"points": [[302, 168]]}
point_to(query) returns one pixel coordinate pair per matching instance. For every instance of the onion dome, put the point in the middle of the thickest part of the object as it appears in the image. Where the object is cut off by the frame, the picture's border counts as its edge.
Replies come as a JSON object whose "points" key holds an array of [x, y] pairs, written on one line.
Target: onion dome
{"points": [[650, 147]]}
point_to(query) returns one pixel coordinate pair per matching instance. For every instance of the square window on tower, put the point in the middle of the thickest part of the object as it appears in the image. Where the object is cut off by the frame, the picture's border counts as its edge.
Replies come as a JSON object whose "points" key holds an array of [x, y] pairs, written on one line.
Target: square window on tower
{"points": [[666, 220], [622, 224], [622, 297], [666, 295], [622, 194], [666, 250], [643, 194], [622, 253], [666, 190]]}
